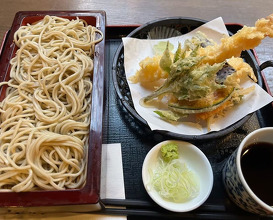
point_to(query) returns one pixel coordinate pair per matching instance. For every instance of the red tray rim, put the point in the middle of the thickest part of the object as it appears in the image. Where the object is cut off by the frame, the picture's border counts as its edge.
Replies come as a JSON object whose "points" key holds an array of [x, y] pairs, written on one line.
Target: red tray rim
{"points": [[90, 192]]}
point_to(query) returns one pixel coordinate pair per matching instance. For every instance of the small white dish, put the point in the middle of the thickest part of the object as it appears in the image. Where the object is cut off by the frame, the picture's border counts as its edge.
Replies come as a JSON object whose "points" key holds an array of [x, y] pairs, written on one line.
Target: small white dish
{"points": [[195, 160]]}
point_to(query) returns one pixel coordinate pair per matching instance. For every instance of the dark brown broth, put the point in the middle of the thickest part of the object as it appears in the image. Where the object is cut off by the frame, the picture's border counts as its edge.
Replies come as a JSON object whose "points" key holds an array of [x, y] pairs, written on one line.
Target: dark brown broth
{"points": [[257, 168]]}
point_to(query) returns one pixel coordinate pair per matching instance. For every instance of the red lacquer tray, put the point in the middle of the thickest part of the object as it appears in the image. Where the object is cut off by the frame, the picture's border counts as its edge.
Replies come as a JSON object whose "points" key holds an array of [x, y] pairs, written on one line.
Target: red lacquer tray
{"points": [[88, 196]]}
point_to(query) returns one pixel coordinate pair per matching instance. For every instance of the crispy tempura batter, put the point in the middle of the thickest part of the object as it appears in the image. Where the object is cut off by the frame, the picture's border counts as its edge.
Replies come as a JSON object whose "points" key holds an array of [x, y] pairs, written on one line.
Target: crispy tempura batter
{"points": [[242, 68], [202, 79], [150, 71], [245, 39]]}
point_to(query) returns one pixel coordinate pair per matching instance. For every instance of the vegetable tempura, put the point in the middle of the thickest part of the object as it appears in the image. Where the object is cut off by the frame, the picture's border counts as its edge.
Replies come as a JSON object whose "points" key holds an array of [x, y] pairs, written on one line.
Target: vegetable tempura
{"points": [[202, 78]]}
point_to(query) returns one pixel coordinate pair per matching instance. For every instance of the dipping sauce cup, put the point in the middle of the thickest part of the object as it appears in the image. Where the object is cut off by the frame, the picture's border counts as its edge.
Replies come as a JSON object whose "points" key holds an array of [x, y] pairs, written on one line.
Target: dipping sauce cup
{"points": [[248, 173]]}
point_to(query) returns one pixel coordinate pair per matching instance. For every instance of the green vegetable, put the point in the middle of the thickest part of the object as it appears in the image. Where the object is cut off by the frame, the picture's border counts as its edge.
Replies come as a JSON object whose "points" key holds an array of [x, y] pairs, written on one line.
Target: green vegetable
{"points": [[184, 109], [199, 39], [161, 46], [198, 83], [169, 152], [174, 82], [192, 86], [168, 115], [179, 54], [188, 78], [166, 60]]}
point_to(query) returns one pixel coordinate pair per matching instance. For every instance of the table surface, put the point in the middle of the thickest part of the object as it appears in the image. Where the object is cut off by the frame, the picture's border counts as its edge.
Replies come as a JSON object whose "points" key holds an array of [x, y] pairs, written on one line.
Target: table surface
{"points": [[136, 12], [124, 12]]}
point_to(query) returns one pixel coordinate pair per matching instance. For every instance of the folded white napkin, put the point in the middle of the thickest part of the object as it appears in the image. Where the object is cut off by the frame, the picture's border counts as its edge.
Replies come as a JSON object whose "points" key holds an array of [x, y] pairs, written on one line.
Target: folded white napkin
{"points": [[112, 181]]}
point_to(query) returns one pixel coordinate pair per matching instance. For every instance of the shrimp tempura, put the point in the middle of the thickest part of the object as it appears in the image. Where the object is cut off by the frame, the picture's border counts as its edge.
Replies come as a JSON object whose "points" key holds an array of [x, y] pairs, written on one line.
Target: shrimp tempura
{"points": [[245, 39]]}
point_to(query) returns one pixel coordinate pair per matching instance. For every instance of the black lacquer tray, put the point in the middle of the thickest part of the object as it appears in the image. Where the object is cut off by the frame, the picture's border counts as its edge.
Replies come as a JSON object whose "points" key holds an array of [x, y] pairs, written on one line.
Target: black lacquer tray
{"points": [[119, 126], [182, 25]]}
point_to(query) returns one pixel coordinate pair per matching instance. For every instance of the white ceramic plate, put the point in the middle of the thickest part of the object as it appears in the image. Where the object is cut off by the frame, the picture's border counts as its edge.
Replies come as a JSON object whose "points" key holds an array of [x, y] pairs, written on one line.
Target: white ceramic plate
{"points": [[195, 160]]}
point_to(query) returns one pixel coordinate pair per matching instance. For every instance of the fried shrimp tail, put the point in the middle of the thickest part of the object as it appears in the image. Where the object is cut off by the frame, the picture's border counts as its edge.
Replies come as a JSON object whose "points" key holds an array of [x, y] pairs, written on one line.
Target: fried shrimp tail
{"points": [[245, 39]]}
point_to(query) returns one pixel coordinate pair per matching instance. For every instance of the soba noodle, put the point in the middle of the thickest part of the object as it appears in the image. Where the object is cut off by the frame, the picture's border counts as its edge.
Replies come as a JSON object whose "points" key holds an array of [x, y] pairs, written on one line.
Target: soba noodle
{"points": [[45, 115]]}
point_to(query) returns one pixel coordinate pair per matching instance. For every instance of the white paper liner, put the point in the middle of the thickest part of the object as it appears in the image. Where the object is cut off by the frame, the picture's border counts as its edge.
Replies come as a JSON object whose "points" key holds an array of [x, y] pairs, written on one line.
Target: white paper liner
{"points": [[136, 50]]}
